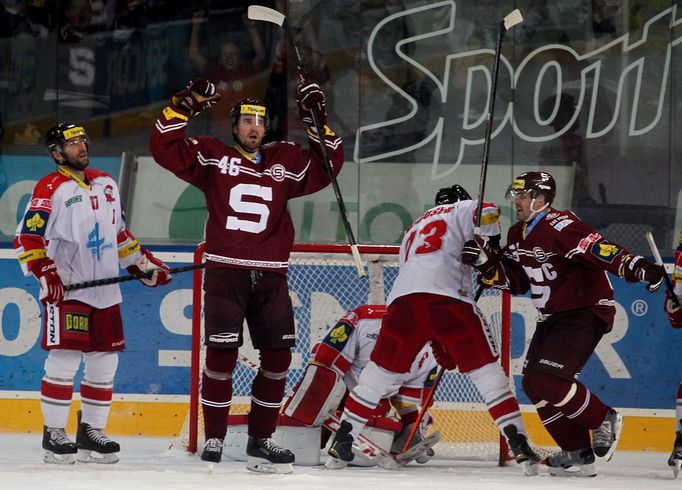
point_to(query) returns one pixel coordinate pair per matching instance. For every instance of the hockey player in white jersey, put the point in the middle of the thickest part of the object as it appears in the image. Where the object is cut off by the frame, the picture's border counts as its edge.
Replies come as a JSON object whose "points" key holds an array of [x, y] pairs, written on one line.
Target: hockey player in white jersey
{"points": [[73, 231], [432, 300], [336, 367]]}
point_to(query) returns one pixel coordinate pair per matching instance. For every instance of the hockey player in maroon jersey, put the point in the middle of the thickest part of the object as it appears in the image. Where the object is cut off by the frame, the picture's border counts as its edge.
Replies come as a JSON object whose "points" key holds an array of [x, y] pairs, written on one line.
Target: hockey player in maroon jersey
{"points": [[432, 300], [675, 316], [73, 230], [564, 263], [249, 236]]}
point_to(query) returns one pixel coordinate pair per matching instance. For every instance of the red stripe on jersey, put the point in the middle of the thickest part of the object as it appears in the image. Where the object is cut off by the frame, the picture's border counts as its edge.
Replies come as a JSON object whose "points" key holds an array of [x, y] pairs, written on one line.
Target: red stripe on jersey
{"points": [[370, 312], [326, 355], [58, 392]]}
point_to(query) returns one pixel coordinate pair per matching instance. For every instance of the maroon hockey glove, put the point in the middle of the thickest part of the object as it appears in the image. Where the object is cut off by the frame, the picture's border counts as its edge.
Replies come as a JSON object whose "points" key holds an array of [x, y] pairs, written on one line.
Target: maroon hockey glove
{"points": [[147, 263], [310, 97], [636, 268], [197, 96], [674, 312], [51, 286], [479, 254], [442, 357]]}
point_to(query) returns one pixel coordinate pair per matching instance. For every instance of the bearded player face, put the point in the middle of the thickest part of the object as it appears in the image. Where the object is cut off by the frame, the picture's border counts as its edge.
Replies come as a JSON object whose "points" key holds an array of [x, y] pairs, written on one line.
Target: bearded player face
{"points": [[250, 131]]}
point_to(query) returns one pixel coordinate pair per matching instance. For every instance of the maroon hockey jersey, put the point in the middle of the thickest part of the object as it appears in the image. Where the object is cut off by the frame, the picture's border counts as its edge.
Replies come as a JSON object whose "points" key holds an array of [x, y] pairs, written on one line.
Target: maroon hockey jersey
{"points": [[563, 262], [249, 224]]}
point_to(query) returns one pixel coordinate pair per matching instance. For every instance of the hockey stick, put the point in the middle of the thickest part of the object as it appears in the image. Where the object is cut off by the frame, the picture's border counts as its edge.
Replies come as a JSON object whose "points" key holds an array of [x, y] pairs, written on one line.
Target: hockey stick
{"points": [[265, 14], [513, 18], [659, 260], [425, 406], [131, 277], [364, 445]]}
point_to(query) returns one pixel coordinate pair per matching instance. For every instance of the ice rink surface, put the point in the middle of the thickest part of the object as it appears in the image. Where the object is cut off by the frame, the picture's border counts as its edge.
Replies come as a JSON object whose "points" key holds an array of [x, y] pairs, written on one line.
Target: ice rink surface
{"points": [[148, 463]]}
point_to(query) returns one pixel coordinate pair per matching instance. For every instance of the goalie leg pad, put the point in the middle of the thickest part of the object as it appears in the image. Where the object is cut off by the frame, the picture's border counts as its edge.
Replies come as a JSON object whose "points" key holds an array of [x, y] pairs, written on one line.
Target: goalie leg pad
{"points": [[320, 391]]}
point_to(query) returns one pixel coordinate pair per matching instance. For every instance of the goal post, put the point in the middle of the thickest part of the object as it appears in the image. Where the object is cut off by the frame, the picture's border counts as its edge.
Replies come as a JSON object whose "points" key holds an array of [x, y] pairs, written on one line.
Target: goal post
{"points": [[324, 285]]}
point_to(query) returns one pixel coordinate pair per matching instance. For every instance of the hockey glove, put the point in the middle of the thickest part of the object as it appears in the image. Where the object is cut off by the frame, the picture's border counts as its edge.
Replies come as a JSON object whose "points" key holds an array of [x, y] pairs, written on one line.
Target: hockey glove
{"points": [[149, 263], [674, 312], [479, 254], [197, 96], [51, 286], [442, 357], [309, 98], [636, 268]]}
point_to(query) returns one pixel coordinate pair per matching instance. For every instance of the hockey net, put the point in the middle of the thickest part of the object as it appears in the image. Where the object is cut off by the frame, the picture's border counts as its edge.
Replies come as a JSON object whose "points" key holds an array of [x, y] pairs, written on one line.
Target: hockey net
{"points": [[324, 285]]}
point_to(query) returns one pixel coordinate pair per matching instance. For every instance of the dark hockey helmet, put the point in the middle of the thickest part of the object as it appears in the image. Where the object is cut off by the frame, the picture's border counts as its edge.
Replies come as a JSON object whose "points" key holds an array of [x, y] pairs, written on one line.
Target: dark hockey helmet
{"points": [[535, 183], [249, 105], [452, 194], [58, 135]]}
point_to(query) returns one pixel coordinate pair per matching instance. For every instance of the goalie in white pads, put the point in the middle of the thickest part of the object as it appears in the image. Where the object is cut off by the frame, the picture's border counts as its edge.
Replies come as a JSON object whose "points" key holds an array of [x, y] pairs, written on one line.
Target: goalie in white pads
{"points": [[432, 300], [73, 228], [335, 369]]}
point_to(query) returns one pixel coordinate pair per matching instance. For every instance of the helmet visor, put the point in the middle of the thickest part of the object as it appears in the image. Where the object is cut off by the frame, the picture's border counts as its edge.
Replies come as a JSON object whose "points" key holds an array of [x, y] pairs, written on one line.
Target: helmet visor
{"points": [[516, 190]]}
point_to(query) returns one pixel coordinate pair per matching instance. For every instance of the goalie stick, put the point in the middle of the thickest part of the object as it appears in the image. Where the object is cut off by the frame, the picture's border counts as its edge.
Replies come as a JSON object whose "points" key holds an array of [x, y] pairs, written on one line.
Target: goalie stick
{"points": [[131, 277], [265, 14], [513, 18], [659, 260]]}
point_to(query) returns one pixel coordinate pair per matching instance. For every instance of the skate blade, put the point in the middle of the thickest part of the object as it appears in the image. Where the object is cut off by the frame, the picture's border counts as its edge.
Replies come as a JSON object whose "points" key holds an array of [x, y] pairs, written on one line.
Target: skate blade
{"points": [[264, 466], [530, 468], [586, 470], [52, 458], [86, 456], [676, 467], [333, 463], [619, 428]]}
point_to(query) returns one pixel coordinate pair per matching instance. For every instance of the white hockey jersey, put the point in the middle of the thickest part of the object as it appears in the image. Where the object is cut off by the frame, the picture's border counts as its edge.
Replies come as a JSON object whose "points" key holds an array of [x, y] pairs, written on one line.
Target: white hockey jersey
{"points": [[81, 228], [348, 346], [430, 253]]}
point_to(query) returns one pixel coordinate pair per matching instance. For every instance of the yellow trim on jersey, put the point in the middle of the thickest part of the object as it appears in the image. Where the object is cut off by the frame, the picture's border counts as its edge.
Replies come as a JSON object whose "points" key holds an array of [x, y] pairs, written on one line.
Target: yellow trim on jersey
{"points": [[249, 156], [170, 113], [68, 174], [490, 218], [38, 253], [129, 249], [74, 133]]}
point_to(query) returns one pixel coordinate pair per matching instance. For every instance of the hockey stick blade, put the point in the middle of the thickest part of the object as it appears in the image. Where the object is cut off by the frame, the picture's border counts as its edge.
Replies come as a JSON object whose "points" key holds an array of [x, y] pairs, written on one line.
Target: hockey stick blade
{"points": [[514, 17], [417, 449], [265, 14]]}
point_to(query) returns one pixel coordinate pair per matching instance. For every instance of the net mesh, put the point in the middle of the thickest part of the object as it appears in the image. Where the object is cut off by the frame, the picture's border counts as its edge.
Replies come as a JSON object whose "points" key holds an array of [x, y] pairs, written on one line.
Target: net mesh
{"points": [[323, 287]]}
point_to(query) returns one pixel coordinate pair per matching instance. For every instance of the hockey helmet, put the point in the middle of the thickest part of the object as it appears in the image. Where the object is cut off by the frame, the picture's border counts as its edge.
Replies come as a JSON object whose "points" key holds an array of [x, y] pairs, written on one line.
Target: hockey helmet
{"points": [[452, 194], [534, 183], [252, 106], [58, 135]]}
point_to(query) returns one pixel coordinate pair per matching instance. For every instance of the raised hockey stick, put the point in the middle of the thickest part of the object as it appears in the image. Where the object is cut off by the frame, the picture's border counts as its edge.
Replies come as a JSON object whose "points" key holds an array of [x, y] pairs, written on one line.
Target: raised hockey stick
{"points": [[265, 14], [659, 260], [513, 18], [131, 277]]}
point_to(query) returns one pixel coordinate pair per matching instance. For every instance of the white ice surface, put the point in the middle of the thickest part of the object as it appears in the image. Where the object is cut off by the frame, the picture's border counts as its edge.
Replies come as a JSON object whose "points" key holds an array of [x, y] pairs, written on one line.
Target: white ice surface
{"points": [[147, 463]]}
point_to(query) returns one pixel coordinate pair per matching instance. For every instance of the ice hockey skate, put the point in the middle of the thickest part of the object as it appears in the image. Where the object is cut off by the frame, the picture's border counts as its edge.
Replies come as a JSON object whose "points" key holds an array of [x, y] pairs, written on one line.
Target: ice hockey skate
{"points": [[675, 460], [420, 449], [94, 446], [571, 463], [266, 456], [58, 448], [605, 437], [523, 453], [213, 450], [341, 450]]}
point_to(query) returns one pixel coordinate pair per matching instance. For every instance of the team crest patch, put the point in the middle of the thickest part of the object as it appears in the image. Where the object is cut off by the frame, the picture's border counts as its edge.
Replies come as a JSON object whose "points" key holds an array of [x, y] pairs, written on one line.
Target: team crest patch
{"points": [[76, 323], [605, 251], [277, 172], [34, 223], [339, 334]]}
